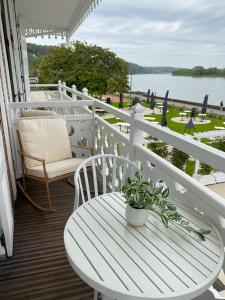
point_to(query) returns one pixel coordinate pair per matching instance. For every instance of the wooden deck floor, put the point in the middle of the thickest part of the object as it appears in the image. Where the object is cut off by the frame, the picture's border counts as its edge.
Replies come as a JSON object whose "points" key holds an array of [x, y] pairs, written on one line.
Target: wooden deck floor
{"points": [[39, 268]]}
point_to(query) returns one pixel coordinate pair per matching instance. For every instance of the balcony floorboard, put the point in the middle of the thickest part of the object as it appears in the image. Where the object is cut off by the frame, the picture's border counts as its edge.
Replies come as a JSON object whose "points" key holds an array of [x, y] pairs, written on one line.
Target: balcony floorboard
{"points": [[39, 268]]}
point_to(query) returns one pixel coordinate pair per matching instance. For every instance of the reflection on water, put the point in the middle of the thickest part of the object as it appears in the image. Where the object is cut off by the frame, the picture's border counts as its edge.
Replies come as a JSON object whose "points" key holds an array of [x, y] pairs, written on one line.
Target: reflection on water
{"points": [[185, 88]]}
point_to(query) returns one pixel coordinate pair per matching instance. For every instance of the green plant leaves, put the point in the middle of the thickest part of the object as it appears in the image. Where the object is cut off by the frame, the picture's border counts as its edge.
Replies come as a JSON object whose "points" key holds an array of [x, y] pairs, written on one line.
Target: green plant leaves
{"points": [[141, 194]]}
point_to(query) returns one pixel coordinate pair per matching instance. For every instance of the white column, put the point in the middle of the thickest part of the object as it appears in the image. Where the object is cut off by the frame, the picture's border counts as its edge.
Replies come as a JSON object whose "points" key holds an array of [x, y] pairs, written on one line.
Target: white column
{"points": [[136, 135], [64, 90], [74, 95], [60, 94], [85, 91], [25, 67]]}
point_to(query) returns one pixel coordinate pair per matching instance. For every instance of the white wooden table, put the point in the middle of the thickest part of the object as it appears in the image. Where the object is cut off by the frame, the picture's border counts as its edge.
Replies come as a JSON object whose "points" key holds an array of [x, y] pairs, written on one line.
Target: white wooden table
{"points": [[150, 118], [187, 112], [148, 262], [182, 114], [160, 107], [120, 124], [219, 127], [202, 116]]}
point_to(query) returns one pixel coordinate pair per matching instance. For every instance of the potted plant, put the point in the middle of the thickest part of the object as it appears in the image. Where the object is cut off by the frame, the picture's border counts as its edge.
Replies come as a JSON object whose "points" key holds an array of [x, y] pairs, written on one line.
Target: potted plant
{"points": [[142, 196]]}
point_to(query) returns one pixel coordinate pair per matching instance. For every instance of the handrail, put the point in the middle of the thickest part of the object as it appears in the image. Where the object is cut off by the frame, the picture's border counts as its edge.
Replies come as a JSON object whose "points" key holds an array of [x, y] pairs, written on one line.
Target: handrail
{"points": [[203, 152], [78, 93], [43, 85], [82, 103], [214, 201]]}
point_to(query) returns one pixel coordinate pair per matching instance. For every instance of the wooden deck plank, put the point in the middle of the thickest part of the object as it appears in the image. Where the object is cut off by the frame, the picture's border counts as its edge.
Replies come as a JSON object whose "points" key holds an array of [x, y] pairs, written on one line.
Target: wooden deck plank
{"points": [[39, 268]]}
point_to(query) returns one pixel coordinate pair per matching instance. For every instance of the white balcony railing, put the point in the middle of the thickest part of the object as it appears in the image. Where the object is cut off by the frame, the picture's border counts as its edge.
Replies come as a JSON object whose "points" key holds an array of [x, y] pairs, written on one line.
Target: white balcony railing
{"points": [[107, 139]]}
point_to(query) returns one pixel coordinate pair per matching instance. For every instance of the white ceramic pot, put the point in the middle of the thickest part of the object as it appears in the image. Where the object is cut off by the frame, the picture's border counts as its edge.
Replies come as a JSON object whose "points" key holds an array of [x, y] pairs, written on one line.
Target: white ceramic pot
{"points": [[135, 216]]}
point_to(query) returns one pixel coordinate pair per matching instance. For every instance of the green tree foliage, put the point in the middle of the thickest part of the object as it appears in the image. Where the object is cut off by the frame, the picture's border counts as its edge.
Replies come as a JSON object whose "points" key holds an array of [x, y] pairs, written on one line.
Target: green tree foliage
{"points": [[205, 169], [90, 66], [35, 54], [37, 50], [200, 71], [137, 69]]}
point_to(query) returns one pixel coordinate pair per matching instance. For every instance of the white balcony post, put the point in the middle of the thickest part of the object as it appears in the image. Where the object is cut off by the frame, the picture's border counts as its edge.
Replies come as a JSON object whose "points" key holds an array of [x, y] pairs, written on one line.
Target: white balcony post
{"points": [[64, 90], [74, 95], [136, 135], [60, 90], [85, 91]]}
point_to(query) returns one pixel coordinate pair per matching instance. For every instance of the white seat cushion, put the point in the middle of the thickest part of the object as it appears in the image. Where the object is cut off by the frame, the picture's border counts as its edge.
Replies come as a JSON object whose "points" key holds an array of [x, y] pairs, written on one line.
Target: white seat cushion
{"points": [[57, 168], [46, 139]]}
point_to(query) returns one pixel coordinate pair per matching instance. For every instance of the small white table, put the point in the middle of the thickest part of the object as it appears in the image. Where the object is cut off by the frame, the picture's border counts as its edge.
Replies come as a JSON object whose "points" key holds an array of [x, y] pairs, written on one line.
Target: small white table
{"points": [[160, 107], [202, 116], [182, 114], [120, 124], [149, 118], [99, 110], [219, 127], [187, 112], [149, 262]]}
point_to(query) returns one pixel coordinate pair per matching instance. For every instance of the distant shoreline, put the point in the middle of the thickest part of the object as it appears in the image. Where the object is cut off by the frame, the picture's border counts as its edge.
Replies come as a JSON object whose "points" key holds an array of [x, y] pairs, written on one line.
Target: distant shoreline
{"points": [[188, 104], [184, 75]]}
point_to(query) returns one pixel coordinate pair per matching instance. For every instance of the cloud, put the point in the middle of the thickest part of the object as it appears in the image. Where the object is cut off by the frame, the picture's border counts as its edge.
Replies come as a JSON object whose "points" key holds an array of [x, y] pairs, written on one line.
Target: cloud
{"points": [[149, 32]]}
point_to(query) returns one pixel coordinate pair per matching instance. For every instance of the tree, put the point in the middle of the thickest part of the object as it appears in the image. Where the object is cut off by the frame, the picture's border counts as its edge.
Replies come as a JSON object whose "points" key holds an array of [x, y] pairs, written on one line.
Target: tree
{"points": [[90, 66]]}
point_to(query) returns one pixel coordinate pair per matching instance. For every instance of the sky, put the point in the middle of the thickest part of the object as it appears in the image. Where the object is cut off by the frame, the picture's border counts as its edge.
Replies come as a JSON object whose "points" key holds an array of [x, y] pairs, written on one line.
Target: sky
{"points": [[179, 33]]}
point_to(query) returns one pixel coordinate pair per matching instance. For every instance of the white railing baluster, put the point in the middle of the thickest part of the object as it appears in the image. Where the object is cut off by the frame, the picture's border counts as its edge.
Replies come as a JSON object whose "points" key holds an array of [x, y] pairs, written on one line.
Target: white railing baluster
{"points": [[60, 90], [85, 91], [114, 174], [64, 90], [74, 95]]}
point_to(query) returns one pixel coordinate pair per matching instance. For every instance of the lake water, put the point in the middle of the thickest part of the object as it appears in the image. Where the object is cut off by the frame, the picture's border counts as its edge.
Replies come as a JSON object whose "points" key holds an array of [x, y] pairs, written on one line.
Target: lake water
{"points": [[185, 88]]}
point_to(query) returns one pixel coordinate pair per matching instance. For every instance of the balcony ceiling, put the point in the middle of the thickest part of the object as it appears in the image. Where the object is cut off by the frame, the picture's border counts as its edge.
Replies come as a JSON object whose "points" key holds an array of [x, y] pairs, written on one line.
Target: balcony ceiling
{"points": [[57, 17]]}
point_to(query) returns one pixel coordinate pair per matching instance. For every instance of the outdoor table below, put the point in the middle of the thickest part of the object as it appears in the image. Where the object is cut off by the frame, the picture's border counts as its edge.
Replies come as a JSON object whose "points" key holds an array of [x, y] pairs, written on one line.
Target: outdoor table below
{"points": [[120, 124], [187, 112], [182, 114], [202, 116], [148, 262], [219, 127], [149, 118]]}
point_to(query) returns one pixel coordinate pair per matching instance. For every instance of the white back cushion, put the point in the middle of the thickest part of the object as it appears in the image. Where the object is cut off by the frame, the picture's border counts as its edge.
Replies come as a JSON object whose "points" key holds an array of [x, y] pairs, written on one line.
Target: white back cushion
{"points": [[44, 138]]}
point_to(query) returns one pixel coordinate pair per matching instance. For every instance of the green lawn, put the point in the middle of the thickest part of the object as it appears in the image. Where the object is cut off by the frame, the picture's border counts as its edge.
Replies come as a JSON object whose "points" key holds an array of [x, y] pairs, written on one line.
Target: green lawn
{"points": [[180, 127], [216, 120]]}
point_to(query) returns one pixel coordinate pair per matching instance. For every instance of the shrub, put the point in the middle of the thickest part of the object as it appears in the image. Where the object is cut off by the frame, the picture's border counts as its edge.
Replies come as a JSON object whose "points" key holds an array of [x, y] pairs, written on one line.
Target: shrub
{"points": [[205, 169], [179, 159]]}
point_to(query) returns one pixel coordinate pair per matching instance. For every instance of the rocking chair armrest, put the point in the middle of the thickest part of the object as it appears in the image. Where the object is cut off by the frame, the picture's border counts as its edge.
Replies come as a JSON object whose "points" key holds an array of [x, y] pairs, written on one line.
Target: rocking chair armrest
{"points": [[32, 157], [83, 147]]}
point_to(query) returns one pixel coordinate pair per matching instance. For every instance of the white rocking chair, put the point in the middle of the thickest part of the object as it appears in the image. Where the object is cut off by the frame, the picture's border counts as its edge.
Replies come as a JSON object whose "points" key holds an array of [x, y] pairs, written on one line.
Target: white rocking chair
{"points": [[46, 154]]}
